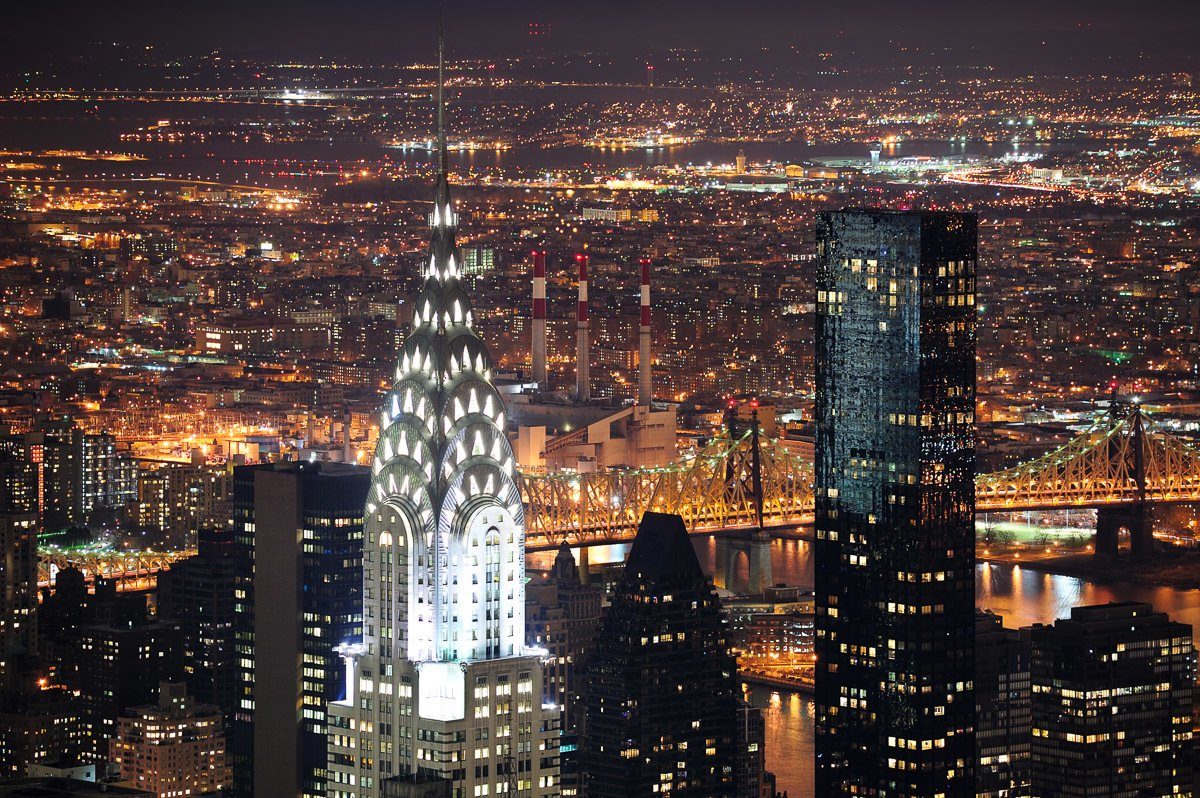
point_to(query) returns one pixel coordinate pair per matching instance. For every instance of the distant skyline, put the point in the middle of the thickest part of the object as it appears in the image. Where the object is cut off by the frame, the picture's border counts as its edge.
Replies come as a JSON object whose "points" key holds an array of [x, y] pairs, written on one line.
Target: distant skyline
{"points": [[1044, 32]]}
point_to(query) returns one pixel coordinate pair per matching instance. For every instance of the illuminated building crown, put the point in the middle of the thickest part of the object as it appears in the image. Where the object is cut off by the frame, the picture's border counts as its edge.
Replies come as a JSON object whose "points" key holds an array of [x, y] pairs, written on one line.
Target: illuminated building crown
{"points": [[444, 570]]}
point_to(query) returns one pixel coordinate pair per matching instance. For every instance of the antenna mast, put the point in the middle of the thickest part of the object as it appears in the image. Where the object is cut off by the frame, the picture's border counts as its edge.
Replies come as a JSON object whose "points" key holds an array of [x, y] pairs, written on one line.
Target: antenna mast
{"points": [[441, 97]]}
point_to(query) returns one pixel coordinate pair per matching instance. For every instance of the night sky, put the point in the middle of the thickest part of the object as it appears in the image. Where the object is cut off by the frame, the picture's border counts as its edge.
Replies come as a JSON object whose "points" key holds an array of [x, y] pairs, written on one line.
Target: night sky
{"points": [[1036, 30]]}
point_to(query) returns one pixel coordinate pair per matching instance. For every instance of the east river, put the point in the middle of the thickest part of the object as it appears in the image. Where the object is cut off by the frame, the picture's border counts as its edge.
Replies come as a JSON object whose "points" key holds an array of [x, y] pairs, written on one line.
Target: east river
{"points": [[1021, 595]]}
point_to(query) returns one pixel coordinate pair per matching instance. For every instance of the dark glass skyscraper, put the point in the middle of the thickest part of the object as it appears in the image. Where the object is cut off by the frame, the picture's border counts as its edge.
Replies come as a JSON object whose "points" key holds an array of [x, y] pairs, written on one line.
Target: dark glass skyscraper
{"points": [[895, 468]]}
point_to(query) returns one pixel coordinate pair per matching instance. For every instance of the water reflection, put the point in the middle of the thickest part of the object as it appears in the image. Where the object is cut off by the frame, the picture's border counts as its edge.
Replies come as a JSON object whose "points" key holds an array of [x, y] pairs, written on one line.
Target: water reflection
{"points": [[1023, 596], [791, 560], [788, 722]]}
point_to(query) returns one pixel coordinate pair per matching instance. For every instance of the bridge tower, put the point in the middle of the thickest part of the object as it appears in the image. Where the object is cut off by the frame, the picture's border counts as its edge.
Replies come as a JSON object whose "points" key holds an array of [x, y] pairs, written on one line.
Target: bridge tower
{"points": [[1136, 517], [743, 475]]}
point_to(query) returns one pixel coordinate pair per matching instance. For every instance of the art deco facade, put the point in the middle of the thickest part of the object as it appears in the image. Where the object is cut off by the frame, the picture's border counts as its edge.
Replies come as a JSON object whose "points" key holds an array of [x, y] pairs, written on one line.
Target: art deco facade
{"points": [[442, 680], [895, 463]]}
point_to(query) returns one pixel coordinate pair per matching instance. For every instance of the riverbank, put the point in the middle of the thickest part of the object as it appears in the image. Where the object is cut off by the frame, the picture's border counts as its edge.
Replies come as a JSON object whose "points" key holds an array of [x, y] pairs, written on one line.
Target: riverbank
{"points": [[753, 677], [1178, 569]]}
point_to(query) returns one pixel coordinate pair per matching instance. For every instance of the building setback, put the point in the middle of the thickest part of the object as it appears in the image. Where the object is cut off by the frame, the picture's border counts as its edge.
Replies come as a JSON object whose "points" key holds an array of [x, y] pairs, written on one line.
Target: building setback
{"points": [[120, 664], [298, 531], [660, 707], [895, 469], [1112, 703]]}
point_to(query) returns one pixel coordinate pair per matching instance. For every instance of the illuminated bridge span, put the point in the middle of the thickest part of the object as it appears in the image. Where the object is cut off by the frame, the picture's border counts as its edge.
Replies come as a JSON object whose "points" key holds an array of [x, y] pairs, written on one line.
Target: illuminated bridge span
{"points": [[713, 490], [1121, 465], [1124, 458], [130, 570]]}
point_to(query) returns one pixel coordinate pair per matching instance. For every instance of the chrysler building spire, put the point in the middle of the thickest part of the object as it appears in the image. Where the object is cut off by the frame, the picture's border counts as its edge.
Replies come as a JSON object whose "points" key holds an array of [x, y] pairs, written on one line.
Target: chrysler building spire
{"points": [[443, 657], [441, 104], [444, 494]]}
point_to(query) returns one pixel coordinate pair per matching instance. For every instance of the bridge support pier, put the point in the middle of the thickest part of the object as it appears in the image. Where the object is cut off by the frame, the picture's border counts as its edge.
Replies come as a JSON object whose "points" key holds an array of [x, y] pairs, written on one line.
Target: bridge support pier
{"points": [[756, 545], [1136, 518]]}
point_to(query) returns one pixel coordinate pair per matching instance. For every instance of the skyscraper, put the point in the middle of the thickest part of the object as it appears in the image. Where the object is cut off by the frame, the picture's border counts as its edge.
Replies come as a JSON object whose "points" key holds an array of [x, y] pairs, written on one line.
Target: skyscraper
{"points": [[441, 679], [562, 617], [18, 575], [1002, 719], [1112, 703], [77, 473], [660, 708], [750, 773], [298, 530], [183, 500], [564, 614], [198, 594], [895, 463]]}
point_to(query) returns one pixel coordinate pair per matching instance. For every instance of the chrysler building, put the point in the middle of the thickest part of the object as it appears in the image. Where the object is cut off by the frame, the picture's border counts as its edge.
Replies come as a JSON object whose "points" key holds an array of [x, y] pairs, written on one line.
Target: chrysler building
{"points": [[442, 683]]}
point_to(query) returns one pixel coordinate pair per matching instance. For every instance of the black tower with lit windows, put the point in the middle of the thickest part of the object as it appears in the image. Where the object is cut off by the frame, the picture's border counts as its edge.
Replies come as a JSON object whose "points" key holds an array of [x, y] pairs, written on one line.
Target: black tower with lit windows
{"points": [[298, 572], [660, 707], [895, 469]]}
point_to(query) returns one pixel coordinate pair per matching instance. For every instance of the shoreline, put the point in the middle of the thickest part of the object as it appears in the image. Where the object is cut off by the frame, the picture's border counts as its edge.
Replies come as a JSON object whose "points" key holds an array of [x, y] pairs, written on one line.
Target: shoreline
{"points": [[770, 681], [1178, 571]]}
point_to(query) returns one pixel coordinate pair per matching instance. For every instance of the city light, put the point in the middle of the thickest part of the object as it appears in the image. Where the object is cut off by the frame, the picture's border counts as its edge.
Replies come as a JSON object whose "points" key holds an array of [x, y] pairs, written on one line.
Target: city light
{"points": [[553, 403]]}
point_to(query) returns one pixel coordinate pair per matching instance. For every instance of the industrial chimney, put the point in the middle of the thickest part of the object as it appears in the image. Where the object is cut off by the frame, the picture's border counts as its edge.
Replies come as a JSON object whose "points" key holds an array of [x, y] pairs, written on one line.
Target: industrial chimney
{"points": [[539, 320], [583, 390], [645, 391]]}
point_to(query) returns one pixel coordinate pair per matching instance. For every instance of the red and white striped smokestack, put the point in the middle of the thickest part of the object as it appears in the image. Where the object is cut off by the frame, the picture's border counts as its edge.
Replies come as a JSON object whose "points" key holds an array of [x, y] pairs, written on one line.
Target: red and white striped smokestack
{"points": [[583, 390], [539, 319], [645, 390]]}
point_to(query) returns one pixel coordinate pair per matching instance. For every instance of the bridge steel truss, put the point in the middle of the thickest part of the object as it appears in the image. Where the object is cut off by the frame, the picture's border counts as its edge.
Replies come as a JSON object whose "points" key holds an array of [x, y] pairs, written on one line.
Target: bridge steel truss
{"points": [[129, 570], [712, 490], [1124, 458]]}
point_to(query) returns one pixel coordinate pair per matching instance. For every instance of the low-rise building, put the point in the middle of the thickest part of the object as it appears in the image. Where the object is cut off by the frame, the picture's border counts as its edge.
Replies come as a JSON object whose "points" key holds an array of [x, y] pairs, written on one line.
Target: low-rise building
{"points": [[173, 748]]}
